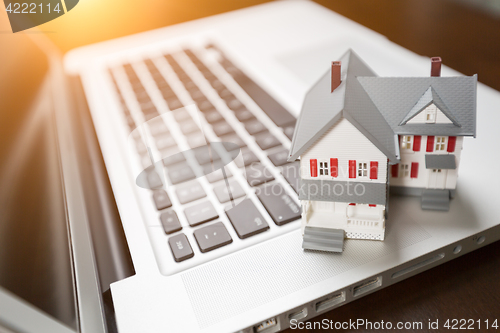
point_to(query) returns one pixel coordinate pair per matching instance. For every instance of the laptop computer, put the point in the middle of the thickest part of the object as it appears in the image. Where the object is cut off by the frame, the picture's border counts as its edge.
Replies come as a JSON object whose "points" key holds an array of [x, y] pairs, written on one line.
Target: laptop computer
{"points": [[161, 101]]}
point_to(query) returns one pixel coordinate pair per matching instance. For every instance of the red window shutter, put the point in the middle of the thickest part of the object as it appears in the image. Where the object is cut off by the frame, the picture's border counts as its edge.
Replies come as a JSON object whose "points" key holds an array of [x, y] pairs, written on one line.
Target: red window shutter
{"points": [[416, 142], [352, 168], [414, 170], [373, 170], [394, 170], [314, 168], [334, 167], [399, 140], [452, 141], [430, 144], [372, 205]]}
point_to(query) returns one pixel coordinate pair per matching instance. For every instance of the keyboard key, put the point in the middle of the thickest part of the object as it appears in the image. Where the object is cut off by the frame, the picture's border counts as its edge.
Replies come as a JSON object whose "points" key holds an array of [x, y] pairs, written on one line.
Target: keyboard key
{"points": [[291, 172], [180, 173], [217, 85], [140, 146], [222, 191], [170, 222], [213, 116], [146, 161], [157, 127], [246, 219], [248, 157], [222, 128], [224, 93], [279, 158], [204, 105], [266, 141], [200, 213], [196, 140], [206, 154], [278, 204], [190, 86], [181, 249], [258, 174], [172, 156], [212, 237], [161, 199], [243, 115], [164, 141], [211, 167], [146, 105], [217, 175], [196, 94], [254, 127], [181, 115], [174, 104], [233, 138], [153, 179], [188, 126], [233, 104], [190, 191]]}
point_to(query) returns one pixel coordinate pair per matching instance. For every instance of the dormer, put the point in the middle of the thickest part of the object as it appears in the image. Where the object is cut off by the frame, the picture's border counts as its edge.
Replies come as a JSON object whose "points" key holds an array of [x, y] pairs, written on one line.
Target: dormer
{"points": [[430, 109]]}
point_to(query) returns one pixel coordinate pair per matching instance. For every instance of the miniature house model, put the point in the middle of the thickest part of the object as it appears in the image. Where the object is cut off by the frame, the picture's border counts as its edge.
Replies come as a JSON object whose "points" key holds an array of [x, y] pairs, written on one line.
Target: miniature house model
{"points": [[357, 133]]}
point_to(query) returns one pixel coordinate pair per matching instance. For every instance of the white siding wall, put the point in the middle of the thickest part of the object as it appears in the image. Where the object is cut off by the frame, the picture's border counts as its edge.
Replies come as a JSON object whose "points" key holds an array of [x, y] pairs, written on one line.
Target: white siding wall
{"points": [[344, 142], [409, 156]]}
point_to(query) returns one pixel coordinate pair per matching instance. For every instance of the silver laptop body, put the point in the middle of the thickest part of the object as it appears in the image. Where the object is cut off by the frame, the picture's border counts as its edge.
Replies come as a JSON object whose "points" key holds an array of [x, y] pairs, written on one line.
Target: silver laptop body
{"points": [[258, 278]]}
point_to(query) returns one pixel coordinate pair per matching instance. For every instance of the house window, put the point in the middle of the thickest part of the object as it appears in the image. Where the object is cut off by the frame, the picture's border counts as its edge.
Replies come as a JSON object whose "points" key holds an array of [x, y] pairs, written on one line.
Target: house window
{"points": [[436, 170], [407, 142], [404, 170], [323, 169], [362, 169], [430, 114], [440, 143]]}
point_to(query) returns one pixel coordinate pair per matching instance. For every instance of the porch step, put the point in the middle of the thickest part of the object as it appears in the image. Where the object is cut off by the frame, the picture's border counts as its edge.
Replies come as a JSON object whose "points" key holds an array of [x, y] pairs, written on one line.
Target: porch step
{"points": [[323, 239], [436, 200]]}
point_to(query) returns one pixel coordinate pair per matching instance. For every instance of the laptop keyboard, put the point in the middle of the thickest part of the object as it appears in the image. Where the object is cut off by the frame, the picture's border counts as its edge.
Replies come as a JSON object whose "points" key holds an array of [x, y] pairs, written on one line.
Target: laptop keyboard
{"points": [[217, 173]]}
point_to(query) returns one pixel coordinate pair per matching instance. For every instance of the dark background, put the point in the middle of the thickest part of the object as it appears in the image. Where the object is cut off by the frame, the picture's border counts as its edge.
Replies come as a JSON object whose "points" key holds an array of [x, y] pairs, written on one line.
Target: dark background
{"points": [[465, 37]]}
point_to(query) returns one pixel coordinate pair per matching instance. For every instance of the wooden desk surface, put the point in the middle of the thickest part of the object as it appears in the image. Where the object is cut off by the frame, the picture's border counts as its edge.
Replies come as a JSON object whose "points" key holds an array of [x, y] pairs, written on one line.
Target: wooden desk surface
{"points": [[467, 39]]}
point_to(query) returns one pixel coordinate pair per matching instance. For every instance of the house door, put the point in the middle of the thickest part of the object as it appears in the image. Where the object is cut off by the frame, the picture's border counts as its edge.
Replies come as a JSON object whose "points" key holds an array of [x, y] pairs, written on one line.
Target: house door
{"points": [[437, 178]]}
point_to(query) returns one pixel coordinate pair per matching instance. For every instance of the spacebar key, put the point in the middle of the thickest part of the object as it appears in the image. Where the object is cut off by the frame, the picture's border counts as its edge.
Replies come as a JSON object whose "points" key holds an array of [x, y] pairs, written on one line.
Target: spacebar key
{"points": [[246, 219]]}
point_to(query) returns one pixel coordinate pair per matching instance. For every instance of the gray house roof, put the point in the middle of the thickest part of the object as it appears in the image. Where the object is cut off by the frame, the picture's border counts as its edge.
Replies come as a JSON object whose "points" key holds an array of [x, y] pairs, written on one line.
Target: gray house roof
{"points": [[322, 108], [429, 97], [396, 96], [380, 108]]}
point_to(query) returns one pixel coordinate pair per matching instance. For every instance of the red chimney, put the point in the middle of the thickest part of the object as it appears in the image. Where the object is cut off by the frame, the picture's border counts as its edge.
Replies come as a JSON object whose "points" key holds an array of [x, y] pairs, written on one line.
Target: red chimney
{"points": [[435, 66], [335, 75]]}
